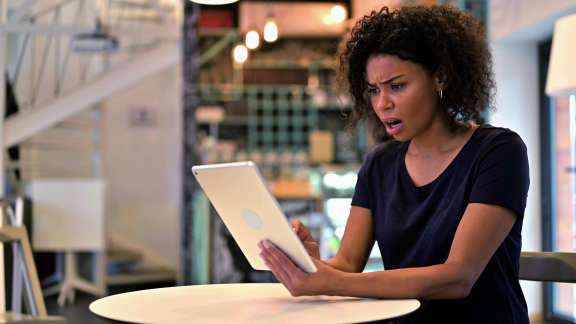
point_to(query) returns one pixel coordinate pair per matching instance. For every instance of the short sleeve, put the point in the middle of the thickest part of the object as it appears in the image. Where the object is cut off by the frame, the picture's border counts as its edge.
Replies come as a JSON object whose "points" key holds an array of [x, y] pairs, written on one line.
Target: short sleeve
{"points": [[503, 175], [361, 197]]}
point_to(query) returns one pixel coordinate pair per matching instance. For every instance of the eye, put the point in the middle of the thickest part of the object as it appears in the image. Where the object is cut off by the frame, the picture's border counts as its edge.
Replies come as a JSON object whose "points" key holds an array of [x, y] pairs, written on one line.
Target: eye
{"points": [[396, 87], [372, 90]]}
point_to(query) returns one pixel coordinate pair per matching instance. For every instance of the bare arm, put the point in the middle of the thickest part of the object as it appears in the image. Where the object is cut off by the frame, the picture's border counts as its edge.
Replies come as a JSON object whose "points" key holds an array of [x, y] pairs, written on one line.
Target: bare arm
{"points": [[481, 231], [357, 242]]}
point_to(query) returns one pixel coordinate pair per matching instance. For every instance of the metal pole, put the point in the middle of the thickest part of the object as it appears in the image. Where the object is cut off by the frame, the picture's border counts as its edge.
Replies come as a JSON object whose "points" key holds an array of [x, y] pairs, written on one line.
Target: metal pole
{"points": [[3, 53], [190, 100]]}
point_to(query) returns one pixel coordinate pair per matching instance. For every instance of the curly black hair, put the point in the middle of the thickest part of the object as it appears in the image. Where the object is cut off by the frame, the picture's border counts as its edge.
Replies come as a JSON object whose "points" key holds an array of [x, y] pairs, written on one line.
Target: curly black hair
{"points": [[443, 39]]}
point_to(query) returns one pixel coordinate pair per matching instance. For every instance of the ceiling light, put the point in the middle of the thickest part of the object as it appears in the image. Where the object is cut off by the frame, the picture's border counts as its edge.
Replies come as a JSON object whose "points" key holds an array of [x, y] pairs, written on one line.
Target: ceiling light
{"points": [[213, 2], [270, 30], [240, 53], [252, 39], [338, 13]]}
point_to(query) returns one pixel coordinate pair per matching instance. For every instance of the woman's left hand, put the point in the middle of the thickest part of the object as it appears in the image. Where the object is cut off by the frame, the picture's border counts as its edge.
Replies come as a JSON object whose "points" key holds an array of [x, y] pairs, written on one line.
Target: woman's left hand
{"points": [[298, 282]]}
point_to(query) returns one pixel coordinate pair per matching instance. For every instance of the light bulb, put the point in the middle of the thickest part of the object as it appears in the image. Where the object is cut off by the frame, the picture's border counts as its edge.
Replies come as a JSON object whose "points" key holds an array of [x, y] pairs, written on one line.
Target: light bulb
{"points": [[270, 30], [252, 39], [240, 53], [213, 2], [338, 13]]}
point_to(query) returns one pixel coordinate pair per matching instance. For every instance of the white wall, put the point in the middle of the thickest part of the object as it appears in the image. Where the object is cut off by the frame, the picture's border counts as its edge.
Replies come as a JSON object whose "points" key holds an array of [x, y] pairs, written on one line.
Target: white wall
{"points": [[142, 166], [516, 28], [526, 20]]}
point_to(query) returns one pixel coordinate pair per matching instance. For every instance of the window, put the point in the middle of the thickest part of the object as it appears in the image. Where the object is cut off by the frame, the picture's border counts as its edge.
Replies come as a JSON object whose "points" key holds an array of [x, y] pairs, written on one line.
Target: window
{"points": [[558, 144]]}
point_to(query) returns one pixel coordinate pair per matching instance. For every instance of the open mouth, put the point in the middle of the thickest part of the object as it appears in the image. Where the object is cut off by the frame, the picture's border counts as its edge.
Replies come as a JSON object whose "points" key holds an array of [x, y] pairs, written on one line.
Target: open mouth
{"points": [[393, 126]]}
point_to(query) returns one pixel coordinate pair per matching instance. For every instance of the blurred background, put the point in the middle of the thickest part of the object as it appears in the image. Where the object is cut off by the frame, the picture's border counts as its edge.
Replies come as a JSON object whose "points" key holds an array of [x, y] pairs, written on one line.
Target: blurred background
{"points": [[109, 103]]}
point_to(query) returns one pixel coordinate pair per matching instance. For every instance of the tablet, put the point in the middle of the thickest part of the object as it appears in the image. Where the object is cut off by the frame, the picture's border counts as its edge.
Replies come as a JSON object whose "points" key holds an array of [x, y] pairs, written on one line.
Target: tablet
{"points": [[251, 213]]}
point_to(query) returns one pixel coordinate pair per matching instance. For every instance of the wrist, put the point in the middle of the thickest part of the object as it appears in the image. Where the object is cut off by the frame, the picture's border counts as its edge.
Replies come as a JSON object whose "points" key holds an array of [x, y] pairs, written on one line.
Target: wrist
{"points": [[338, 283]]}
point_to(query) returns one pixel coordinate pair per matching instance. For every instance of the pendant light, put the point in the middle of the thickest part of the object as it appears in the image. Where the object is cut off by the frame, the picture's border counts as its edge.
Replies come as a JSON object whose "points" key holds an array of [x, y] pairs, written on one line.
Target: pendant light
{"points": [[338, 13], [240, 53], [270, 30], [213, 2], [252, 39]]}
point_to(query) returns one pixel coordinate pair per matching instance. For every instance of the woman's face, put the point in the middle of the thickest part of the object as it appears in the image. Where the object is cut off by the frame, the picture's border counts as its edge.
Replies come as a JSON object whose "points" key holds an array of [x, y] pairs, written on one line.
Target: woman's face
{"points": [[404, 95]]}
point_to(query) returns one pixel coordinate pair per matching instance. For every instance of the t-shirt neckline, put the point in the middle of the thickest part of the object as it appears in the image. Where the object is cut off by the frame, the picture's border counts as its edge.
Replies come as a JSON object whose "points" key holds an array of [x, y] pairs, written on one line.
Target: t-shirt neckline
{"points": [[430, 185]]}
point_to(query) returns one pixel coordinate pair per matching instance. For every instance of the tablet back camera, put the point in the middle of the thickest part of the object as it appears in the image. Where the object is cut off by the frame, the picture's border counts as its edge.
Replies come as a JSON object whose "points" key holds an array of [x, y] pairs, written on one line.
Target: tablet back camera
{"points": [[251, 218]]}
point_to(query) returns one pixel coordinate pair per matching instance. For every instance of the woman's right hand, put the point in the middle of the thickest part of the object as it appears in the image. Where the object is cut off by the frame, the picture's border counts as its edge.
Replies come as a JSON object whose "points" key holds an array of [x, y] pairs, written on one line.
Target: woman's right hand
{"points": [[307, 239]]}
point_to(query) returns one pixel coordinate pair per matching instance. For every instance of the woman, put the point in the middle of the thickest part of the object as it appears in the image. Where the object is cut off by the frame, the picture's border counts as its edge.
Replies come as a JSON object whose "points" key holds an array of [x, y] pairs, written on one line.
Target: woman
{"points": [[445, 197]]}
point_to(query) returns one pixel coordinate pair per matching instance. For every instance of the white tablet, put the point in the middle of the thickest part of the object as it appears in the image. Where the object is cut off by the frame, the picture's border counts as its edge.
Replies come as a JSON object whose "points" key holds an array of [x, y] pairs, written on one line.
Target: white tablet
{"points": [[251, 213]]}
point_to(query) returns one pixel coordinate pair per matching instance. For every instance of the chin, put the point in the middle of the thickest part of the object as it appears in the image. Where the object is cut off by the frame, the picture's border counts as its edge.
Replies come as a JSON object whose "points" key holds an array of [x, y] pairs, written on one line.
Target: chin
{"points": [[401, 138]]}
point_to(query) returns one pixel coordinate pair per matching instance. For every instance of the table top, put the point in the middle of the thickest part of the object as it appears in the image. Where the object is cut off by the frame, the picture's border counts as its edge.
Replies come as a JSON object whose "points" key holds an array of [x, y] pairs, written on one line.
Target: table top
{"points": [[244, 303]]}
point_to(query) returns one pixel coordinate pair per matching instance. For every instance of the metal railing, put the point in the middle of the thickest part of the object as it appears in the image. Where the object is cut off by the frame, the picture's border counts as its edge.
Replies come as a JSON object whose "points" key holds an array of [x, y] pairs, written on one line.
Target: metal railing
{"points": [[44, 64]]}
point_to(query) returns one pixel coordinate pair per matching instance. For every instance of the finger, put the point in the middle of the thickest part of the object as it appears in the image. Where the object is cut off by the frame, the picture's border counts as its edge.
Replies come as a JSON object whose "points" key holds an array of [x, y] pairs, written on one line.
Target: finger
{"points": [[311, 248], [283, 263], [302, 231], [310, 245], [273, 265], [274, 270], [282, 274]]}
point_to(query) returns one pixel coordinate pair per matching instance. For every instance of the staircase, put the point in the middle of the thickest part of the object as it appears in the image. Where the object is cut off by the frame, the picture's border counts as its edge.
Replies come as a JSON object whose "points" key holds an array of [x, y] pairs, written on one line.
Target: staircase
{"points": [[123, 269], [54, 128]]}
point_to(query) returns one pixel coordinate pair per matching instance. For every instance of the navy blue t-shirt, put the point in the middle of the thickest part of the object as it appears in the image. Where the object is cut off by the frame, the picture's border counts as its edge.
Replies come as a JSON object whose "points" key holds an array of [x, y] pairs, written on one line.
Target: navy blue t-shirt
{"points": [[415, 226]]}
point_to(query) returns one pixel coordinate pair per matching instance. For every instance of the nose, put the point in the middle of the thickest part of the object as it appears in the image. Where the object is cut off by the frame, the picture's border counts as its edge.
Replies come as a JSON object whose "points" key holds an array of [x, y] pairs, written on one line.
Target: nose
{"points": [[382, 104]]}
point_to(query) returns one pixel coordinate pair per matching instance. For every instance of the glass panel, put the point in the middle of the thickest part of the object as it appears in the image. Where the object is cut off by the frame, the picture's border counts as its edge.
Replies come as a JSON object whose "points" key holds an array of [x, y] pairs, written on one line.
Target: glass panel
{"points": [[564, 240]]}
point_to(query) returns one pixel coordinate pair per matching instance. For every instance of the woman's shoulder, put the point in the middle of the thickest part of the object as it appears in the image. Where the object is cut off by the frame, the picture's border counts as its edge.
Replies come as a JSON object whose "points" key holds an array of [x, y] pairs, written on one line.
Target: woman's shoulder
{"points": [[386, 149], [490, 135], [382, 154], [497, 143]]}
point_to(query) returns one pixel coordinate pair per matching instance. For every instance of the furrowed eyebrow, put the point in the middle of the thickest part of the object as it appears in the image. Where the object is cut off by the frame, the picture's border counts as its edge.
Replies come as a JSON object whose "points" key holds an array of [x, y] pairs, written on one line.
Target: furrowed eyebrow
{"points": [[386, 81]]}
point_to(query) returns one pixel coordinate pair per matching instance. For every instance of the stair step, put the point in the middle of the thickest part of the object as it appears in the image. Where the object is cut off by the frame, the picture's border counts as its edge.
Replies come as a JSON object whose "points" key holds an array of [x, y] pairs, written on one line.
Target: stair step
{"points": [[123, 256], [142, 276], [138, 4]]}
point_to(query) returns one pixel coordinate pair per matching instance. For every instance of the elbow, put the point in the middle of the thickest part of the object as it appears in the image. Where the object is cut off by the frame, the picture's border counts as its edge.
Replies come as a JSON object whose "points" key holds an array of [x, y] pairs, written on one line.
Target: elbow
{"points": [[462, 291], [463, 287], [459, 280]]}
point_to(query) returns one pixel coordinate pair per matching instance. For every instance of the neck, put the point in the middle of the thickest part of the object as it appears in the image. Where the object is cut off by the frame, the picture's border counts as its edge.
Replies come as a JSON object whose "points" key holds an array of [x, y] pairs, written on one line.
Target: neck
{"points": [[436, 140]]}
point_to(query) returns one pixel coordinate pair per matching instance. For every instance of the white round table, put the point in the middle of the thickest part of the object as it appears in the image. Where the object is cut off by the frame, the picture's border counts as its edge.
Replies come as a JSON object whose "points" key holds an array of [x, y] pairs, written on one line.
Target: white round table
{"points": [[244, 303]]}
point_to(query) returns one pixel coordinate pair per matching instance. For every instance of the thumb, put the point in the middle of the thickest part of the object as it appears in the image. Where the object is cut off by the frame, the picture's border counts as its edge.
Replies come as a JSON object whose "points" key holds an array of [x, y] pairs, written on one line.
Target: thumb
{"points": [[302, 231]]}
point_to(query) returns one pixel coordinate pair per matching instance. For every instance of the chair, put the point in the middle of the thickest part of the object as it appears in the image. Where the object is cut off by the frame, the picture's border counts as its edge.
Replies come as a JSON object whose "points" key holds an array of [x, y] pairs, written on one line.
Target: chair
{"points": [[548, 266], [24, 269]]}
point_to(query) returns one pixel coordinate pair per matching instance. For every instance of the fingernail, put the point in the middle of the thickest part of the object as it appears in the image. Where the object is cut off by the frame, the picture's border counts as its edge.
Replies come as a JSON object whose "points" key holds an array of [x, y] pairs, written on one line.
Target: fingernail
{"points": [[267, 244], [260, 245], [294, 229], [261, 255]]}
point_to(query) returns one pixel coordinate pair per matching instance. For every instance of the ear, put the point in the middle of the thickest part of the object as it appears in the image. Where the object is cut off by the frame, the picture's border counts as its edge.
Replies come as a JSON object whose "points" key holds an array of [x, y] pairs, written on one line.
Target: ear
{"points": [[440, 79]]}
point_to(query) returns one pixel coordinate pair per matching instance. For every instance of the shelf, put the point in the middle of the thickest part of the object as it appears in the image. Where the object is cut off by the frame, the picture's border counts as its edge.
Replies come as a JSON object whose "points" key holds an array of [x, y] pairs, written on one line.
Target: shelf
{"points": [[278, 117], [291, 189], [209, 31], [327, 65], [231, 121]]}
